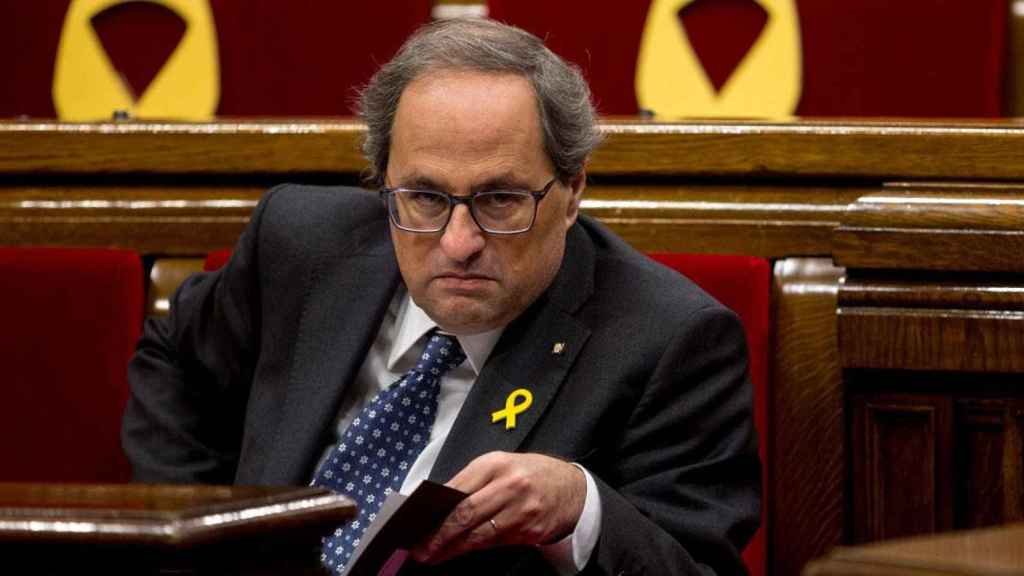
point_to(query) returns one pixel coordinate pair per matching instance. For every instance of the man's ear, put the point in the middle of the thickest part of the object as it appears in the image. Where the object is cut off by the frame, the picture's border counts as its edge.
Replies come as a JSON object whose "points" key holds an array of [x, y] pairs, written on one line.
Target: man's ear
{"points": [[576, 185]]}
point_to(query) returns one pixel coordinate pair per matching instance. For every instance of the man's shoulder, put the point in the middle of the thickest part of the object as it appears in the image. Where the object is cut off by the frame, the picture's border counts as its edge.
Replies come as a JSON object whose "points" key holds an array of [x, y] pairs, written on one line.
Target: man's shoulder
{"points": [[297, 220], [312, 201], [320, 208], [628, 278]]}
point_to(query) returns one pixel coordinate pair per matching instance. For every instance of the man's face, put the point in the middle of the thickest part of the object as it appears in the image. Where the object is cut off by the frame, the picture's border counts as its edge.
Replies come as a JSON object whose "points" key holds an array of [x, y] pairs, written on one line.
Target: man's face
{"points": [[462, 132]]}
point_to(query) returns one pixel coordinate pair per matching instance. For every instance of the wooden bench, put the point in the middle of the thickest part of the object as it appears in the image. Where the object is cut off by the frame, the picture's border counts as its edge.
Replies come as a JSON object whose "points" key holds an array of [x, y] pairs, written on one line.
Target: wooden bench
{"points": [[897, 286]]}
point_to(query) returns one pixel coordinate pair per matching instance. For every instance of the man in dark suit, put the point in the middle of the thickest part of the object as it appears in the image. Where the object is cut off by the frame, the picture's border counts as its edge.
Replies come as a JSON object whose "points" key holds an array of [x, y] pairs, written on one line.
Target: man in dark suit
{"points": [[597, 407]]}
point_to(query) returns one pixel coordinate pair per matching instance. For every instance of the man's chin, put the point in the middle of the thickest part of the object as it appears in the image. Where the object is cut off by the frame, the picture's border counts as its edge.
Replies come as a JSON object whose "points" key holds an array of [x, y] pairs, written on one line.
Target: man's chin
{"points": [[460, 315]]}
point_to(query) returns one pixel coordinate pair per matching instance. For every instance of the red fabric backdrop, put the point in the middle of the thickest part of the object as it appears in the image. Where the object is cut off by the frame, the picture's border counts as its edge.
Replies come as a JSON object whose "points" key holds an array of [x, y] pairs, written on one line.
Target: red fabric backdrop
{"points": [[300, 58], [938, 58]]}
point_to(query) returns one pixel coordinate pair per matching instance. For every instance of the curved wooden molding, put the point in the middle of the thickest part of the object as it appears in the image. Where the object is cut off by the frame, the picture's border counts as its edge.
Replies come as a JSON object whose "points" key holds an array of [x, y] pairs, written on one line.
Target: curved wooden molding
{"points": [[720, 149], [937, 227]]}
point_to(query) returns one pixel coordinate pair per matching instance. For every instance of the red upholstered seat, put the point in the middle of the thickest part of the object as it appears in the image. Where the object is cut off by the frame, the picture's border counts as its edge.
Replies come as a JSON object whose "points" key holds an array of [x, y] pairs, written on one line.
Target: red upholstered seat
{"points": [[743, 284], [216, 259], [70, 320]]}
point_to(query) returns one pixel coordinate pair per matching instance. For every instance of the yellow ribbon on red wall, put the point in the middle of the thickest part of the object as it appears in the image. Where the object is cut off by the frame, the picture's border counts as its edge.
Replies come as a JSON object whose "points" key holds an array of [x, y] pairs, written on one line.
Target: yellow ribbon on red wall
{"points": [[671, 82], [87, 87]]}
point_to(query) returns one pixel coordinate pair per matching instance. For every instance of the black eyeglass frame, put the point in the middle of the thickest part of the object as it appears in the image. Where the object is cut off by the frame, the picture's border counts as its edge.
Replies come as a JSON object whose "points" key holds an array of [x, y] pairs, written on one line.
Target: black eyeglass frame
{"points": [[387, 193]]}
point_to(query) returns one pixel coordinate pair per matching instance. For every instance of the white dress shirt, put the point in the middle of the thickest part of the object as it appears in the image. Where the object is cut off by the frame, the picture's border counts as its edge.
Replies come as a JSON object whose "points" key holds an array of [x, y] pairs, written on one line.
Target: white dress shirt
{"points": [[392, 354]]}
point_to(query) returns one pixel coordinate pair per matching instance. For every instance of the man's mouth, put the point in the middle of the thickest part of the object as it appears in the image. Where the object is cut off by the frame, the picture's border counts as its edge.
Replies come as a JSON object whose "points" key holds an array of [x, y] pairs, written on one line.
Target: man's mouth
{"points": [[462, 281]]}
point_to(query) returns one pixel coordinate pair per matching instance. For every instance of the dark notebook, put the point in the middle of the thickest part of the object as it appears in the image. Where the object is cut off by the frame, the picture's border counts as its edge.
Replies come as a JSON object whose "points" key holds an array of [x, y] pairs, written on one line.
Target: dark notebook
{"points": [[401, 523]]}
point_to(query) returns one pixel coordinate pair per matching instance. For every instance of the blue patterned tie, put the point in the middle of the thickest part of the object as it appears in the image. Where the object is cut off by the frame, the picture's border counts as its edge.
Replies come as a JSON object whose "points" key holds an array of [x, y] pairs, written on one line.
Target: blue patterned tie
{"points": [[381, 444]]}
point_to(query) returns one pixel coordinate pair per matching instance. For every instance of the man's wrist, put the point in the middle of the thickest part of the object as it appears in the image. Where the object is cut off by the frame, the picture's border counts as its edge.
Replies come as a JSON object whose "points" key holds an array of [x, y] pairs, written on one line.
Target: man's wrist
{"points": [[570, 554]]}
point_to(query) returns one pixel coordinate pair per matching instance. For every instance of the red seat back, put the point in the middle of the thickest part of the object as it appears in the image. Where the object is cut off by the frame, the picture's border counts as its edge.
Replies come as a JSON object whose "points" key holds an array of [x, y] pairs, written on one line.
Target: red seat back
{"points": [[70, 320], [216, 259], [743, 284]]}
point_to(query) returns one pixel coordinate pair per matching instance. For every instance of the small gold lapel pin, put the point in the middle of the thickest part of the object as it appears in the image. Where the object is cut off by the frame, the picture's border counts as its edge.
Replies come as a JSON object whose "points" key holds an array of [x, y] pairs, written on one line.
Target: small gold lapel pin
{"points": [[558, 348]]}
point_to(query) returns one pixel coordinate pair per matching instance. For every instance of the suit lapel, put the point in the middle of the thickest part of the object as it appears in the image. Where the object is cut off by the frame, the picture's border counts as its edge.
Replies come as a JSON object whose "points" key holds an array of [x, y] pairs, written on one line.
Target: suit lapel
{"points": [[348, 295], [535, 353]]}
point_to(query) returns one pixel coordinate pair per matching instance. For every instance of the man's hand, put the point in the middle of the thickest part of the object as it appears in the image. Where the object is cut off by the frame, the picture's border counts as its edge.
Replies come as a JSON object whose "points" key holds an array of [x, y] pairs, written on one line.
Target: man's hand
{"points": [[513, 499]]}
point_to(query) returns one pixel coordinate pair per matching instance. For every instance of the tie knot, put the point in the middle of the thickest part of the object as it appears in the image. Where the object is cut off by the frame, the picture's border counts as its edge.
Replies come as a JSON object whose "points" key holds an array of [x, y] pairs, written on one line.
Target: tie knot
{"points": [[442, 353]]}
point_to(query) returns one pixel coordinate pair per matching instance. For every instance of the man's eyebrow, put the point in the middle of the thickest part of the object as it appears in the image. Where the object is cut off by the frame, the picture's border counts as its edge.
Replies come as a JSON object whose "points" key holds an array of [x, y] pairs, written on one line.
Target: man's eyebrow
{"points": [[500, 181], [506, 181], [419, 182]]}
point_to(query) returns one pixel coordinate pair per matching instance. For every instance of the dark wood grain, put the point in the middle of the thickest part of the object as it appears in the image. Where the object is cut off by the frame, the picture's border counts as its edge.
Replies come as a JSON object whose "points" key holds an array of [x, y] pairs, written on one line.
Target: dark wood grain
{"points": [[900, 466], [807, 450], [222, 148], [980, 437], [957, 229], [165, 276], [1013, 461], [972, 293], [764, 220], [754, 150], [156, 529], [932, 339], [165, 516], [151, 219], [986, 552]]}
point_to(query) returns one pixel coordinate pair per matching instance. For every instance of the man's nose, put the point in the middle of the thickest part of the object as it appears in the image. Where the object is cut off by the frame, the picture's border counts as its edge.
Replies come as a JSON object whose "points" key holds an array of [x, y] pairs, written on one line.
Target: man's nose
{"points": [[462, 238]]}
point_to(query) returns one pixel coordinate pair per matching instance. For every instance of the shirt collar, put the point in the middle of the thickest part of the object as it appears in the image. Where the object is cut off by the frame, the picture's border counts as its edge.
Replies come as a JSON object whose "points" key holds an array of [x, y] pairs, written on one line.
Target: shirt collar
{"points": [[413, 322]]}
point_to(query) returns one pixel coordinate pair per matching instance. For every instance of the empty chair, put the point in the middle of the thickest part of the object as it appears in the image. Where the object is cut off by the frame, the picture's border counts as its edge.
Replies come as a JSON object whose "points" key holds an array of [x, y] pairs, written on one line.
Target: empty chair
{"points": [[69, 320]]}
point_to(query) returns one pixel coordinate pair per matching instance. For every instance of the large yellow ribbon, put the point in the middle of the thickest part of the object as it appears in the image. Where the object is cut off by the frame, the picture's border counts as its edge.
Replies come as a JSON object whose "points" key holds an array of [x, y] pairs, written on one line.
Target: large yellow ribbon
{"points": [[512, 407], [671, 82], [86, 86]]}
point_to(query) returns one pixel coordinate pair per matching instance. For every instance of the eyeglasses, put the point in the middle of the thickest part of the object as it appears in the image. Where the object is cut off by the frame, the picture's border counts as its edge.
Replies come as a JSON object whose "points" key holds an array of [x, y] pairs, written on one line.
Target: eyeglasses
{"points": [[494, 211]]}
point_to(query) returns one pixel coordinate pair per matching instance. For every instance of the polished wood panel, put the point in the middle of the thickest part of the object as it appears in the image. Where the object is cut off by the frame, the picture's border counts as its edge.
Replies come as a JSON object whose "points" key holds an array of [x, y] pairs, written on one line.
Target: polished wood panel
{"points": [[861, 150], [972, 293], [980, 429], [761, 220], [932, 339], [176, 516], [249, 147], [153, 219], [1013, 462], [898, 459], [807, 448], [987, 552], [934, 229], [165, 275], [153, 529], [933, 451]]}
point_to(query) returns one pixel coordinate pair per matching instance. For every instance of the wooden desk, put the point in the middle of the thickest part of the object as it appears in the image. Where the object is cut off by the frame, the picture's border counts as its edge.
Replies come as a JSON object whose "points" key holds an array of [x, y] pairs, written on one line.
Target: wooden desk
{"points": [[984, 552], [150, 529]]}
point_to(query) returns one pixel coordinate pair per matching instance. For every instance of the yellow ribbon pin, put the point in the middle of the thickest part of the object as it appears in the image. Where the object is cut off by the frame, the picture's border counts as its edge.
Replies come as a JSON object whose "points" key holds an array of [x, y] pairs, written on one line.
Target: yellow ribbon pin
{"points": [[512, 407]]}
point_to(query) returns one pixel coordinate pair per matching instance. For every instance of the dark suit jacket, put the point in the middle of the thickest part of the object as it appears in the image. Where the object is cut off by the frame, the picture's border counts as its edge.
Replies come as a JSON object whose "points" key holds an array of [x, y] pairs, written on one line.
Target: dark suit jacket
{"points": [[242, 382]]}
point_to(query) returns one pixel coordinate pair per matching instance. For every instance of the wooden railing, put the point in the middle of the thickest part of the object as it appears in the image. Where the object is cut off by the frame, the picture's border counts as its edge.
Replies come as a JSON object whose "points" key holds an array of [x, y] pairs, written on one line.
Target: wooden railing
{"points": [[898, 296]]}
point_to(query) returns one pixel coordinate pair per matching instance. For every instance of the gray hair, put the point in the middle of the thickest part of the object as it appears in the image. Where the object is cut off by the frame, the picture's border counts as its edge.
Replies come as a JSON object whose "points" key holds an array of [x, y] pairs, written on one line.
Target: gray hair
{"points": [[567, 114]]}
